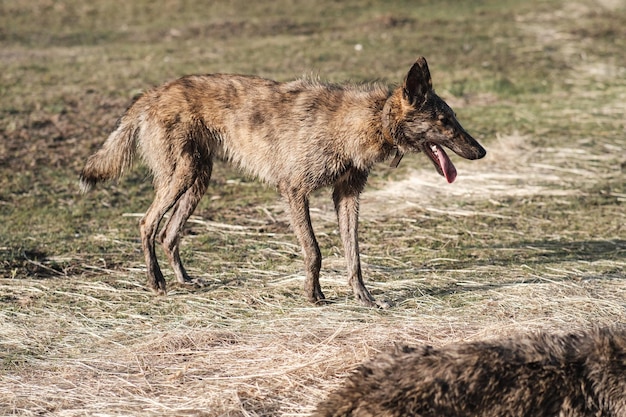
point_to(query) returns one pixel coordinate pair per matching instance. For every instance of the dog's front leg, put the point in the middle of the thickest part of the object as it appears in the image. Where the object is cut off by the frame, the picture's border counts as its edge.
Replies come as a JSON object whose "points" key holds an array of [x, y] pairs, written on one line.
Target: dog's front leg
{"points": [[301, 224], [346, 199]]}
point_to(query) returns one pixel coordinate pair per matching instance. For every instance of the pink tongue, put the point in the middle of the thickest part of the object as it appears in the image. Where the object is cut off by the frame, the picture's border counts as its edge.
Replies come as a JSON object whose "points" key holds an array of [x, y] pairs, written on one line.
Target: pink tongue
{"points": [[446, 165]]}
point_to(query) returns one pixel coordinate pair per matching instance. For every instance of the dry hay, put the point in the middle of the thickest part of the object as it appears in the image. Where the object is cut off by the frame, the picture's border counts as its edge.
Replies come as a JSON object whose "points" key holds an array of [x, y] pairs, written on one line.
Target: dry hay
{"points": [[252, 357]]}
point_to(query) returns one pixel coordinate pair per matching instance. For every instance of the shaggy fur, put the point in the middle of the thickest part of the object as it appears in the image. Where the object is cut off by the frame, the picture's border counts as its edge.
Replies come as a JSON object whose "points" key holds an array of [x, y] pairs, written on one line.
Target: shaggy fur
{"points": [[297, 136], [579, 374]]}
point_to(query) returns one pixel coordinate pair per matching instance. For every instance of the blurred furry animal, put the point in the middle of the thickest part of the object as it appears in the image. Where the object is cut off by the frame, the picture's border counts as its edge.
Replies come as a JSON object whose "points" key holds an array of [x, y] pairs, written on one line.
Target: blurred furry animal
{"points": [[297, 136], [580, 374]]}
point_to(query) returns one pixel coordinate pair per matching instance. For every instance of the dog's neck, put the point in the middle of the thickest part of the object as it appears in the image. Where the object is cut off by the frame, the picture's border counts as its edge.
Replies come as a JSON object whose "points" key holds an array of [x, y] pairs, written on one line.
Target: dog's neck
{"points": [[387, 132]]}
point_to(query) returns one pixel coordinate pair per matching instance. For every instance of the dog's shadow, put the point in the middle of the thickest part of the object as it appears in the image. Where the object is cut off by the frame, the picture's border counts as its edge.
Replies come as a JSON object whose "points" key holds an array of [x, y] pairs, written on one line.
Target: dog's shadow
{"points": [[533, 255], [552, 251], [524, 253]]}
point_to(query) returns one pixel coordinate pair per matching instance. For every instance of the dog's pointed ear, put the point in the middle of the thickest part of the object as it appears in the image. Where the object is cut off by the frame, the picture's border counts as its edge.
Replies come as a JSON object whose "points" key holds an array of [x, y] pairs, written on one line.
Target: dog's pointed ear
{"points": [[417, 82]]}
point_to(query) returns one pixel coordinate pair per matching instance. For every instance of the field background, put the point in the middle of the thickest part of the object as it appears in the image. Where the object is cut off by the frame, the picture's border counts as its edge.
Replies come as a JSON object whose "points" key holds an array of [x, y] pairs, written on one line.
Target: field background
{"points": [[531, 237]]}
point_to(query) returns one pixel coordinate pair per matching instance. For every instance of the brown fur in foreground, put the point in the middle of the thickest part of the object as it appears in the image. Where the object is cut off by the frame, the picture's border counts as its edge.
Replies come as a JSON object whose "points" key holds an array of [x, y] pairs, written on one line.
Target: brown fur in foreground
{"points": [[543, 375], [297, 136]]}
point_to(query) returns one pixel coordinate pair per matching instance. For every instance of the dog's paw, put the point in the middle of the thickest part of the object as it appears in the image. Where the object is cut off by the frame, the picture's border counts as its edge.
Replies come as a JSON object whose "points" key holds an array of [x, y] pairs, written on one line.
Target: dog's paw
{"points": [[382, 304]]}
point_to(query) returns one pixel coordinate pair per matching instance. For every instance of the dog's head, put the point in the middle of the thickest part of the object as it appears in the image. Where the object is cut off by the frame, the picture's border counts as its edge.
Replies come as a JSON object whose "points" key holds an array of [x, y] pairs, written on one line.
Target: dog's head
{"points": [[420, 121]]}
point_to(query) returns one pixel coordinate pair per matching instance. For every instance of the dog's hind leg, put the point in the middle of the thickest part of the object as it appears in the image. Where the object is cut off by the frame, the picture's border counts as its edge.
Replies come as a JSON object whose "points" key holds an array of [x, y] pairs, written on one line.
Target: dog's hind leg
{"points": [[169, 189], [184, 208]]}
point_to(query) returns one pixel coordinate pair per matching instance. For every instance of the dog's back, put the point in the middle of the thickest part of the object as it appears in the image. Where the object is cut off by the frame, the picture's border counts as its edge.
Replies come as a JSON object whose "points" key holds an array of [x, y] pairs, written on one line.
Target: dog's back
{"points": [[573, 375], [294, 132]]}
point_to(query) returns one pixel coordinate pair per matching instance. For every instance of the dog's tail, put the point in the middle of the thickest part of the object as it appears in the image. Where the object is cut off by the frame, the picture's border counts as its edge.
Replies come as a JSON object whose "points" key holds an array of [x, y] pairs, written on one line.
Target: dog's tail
{"points": [[116, 155]]}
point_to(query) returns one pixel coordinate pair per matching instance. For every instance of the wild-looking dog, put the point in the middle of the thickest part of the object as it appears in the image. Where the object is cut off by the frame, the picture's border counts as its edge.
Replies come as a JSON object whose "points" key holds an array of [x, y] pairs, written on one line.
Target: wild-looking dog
{"points": [[296, 136], [580, 374]]}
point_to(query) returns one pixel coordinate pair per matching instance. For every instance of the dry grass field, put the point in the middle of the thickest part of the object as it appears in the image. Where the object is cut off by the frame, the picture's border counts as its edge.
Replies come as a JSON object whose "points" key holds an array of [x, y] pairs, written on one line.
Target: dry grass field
{"points": [[531, 237]]}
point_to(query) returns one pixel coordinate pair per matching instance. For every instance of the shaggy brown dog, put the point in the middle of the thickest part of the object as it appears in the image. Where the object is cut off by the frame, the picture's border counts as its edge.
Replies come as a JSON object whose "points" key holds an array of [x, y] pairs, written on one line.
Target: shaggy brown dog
{"points": [[297, 136], [579, 374]]}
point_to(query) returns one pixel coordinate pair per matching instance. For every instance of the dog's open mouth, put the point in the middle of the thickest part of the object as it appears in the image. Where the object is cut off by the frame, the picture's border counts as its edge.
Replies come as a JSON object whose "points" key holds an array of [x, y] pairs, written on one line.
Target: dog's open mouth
{"points": [[442, 162]]}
